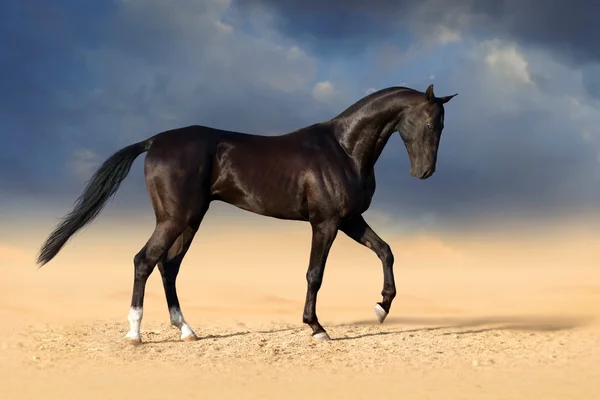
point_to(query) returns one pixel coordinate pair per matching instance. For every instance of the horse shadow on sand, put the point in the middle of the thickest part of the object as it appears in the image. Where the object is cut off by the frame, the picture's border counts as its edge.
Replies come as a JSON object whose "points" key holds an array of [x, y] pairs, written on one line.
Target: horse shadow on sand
{"points": [[448, 326], [474, 325]]}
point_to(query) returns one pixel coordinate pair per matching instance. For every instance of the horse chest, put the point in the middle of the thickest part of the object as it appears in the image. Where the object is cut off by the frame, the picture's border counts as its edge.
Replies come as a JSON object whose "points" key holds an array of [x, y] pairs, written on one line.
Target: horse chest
{"points": [[353, 196], [363, 196]]}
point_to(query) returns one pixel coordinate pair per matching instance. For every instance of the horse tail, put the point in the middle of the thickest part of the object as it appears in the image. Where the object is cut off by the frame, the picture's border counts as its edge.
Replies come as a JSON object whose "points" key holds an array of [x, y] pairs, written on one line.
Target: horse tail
{"points": [[100, 188]]}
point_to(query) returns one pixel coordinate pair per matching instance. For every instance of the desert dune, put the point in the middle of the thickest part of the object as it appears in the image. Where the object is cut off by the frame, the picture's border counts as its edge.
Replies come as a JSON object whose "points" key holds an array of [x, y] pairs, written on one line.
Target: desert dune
{"points": [[486, 317]]}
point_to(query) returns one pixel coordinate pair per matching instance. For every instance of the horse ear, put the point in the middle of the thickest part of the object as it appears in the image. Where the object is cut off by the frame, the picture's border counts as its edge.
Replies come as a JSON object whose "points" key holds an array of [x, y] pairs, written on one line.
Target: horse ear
{"points": [[446, 99], [429, 93]]}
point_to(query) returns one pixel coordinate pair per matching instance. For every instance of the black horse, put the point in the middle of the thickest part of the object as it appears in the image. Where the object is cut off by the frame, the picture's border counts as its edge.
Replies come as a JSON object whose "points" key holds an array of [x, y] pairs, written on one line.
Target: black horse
{"points": [[322, 174]]}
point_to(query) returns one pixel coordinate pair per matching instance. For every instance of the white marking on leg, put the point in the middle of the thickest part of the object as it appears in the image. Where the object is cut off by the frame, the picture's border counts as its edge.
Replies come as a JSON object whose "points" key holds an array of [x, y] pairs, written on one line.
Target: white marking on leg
{"points": [[177, 320], [380, 313], [321, 336], [135, 320]]}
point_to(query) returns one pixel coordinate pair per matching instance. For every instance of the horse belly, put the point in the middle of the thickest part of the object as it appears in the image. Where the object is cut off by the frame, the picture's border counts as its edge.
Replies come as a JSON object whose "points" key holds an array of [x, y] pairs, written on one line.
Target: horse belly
{"points": [[263, 193]]}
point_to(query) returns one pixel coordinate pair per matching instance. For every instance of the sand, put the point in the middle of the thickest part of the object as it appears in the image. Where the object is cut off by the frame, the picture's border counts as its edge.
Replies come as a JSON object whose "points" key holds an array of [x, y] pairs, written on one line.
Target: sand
{"points": [[492, 321]]}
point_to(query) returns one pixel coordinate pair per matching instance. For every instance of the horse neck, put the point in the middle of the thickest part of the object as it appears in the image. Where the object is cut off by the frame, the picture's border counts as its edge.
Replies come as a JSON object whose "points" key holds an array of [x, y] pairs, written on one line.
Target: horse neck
{"points": [[364, 134]]}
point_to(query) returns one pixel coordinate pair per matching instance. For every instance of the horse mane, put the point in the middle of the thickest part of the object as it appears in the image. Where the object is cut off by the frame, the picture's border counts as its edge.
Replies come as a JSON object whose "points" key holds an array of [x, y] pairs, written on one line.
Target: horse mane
{"points": [[373, 97]]}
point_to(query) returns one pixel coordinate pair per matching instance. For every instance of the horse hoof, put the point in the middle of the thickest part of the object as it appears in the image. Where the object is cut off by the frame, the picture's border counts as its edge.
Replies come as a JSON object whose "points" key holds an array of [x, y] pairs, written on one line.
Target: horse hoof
{"points": [[380, 313], [321, 336], [190, 338], [133, 340]]}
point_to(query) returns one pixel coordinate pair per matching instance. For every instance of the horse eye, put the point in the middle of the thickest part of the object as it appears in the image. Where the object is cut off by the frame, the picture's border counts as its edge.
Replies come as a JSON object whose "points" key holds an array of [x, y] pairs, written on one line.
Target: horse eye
{"points": [[430, 125]]}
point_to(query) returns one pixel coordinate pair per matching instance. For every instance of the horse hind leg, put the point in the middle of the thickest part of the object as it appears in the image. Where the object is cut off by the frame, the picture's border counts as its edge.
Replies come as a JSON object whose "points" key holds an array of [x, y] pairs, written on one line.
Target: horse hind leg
{"points": [[164, 236], [178, 184], [169, 268]]}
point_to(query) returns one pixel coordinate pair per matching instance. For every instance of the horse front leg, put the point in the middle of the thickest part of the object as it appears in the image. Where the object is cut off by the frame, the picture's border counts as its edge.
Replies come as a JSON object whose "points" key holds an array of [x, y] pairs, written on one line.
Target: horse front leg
{"points": [[323, 235], [357, 229]]}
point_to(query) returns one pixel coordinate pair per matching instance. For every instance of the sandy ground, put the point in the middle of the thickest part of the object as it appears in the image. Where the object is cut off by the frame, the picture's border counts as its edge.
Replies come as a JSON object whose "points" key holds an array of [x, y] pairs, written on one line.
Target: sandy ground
{"points": [[495, 322]]}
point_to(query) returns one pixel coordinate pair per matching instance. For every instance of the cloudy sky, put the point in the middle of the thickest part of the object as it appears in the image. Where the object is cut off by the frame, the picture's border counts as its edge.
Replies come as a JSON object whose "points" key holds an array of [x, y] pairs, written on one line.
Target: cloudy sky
{"points": [[81, 79]]}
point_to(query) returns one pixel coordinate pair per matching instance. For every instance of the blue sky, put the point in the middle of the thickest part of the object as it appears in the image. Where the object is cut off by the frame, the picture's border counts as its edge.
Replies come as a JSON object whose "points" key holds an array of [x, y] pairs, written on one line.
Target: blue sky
{"points": [[82, 79]]}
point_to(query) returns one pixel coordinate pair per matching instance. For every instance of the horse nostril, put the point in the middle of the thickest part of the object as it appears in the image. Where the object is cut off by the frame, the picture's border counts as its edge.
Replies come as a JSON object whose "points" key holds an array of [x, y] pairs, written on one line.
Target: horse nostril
{"points": [[426, 174]]}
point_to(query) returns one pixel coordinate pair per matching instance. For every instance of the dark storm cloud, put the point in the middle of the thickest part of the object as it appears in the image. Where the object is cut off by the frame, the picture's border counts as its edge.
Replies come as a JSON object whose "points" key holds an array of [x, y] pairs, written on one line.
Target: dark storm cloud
{"points": [[346, 27], [37, 42], [567, 27]]}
